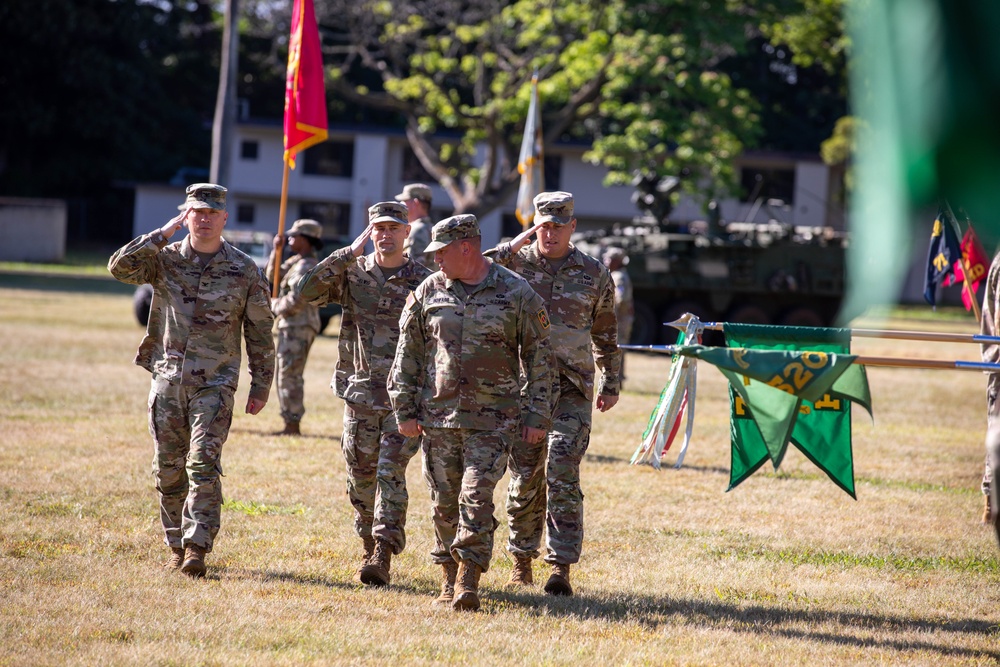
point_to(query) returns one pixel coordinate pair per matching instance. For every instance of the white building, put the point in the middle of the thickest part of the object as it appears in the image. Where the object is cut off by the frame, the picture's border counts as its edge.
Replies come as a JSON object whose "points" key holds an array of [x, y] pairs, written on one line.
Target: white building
{"points": [[335, 183]]}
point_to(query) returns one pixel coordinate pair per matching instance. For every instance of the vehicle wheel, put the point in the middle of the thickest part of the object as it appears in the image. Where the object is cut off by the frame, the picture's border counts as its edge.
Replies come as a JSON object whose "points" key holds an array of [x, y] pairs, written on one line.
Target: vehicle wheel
{"points": [[644, 326], [748, 314], [323, 321], [673, 311], [802, 317], [141, 302]]}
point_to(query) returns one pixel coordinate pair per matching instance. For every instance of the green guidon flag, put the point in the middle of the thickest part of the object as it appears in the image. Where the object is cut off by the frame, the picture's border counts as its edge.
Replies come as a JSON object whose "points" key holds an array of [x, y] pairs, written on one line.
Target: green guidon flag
{"points": [[792, 384]]}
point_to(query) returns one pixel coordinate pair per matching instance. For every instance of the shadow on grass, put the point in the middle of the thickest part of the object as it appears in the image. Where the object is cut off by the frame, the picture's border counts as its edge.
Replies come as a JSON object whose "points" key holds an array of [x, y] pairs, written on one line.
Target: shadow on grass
{"points": [[602, 458], [52, 282], [654, 612]]}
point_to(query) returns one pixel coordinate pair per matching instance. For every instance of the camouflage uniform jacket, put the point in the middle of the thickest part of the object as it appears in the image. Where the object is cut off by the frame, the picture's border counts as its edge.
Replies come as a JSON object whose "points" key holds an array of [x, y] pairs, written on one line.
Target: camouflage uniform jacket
{"points": [[193, 335], [369, 327], [419, 238], [580, 299], [289, 308], [990, 323], [459, 356]]}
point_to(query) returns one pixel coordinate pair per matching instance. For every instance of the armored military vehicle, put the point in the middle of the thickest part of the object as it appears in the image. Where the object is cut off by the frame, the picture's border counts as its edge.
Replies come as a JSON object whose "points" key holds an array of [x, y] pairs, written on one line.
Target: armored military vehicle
{"points": [[741, 272]]}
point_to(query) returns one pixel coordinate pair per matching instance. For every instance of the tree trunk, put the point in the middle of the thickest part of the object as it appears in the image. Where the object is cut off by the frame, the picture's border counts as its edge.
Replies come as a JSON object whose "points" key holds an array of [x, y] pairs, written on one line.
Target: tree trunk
{"points": [[224, 122]]}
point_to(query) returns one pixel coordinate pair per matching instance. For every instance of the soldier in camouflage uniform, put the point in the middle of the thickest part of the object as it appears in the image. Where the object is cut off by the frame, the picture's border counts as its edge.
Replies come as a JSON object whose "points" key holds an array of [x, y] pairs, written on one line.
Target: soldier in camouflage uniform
{"points": [[417, 198], [616, 260], [297, 320], [205, 293], [990, 326], [580, 298], [372, 290], [464, 336]]}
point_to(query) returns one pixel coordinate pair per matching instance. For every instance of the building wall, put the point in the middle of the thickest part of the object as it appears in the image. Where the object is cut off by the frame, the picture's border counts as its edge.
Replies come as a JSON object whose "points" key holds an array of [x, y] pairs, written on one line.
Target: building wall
{"points": [[378, 176], [32, 230]]}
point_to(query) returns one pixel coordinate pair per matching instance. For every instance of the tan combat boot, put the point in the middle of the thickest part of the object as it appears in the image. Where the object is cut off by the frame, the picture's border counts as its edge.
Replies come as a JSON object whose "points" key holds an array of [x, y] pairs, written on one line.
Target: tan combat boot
{"points": [[291, 428], [449, 571], [467, 587], [369, 543], [194, 561], [176, 559], [376, 572], [521, 576], [987, 517], [558, 583]]}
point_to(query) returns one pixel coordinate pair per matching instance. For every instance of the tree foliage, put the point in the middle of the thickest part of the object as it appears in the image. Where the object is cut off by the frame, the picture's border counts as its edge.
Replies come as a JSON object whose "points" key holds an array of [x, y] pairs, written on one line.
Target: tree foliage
{"points": [[642, 80]]}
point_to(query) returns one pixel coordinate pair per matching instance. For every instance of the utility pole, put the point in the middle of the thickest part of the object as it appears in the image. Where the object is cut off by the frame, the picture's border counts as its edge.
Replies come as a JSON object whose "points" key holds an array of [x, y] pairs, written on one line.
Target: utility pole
{"points": [[224, 121]]}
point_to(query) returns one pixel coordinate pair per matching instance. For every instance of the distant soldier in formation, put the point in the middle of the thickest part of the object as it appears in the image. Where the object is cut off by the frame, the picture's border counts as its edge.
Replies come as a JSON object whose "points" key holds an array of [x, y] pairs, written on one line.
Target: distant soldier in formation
{"points": [[616, 260], [579, 295], [372, 290], [465, 335], [297, 320], [417, 198], [205, 294]]}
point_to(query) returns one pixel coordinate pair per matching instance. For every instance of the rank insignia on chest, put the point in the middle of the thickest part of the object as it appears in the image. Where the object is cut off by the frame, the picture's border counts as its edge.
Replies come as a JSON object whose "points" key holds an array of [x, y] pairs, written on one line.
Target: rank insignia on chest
{"points": [[543, 318]]}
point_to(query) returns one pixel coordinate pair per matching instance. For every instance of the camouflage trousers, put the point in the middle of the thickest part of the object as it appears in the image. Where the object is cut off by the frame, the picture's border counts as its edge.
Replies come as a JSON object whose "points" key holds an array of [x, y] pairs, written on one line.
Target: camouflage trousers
{"points": [[377, 456], [189, 425], [292, 350], [462, 468], [992, 408], [544, 488]]}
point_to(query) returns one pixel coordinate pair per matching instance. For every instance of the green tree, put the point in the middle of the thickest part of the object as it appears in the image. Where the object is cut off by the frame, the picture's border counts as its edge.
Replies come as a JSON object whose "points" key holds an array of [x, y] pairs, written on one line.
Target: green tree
{"points": [[642, 80]]}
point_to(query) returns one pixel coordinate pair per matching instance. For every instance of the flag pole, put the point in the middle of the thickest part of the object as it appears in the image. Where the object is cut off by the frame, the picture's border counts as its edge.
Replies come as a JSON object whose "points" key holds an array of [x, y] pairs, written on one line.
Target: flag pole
{"points": [[965, 270], [884, 362], [282, 210], [928, 336]]}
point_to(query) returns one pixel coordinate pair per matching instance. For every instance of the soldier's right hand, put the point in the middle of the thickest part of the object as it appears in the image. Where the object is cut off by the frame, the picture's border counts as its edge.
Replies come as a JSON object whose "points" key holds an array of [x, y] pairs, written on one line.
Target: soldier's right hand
{"points": [[522, 239], [278, 241], [410, 428], [174, 223], [358, 247]]}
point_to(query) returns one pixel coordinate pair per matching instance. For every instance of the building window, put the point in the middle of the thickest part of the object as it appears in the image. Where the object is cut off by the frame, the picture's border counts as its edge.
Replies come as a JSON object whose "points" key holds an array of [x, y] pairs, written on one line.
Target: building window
{"points": [[330, 158], [767, 183], [552, 172], [413, 171], [334, 216], [245, 214], [249, 150]]}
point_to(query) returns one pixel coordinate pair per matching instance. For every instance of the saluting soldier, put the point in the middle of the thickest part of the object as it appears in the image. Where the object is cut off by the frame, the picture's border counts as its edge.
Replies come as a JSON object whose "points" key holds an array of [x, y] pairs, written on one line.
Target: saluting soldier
{"points": [[372, 290], [579, 295], [418, 198], [205, 294], [297, 320], [464, 336]]}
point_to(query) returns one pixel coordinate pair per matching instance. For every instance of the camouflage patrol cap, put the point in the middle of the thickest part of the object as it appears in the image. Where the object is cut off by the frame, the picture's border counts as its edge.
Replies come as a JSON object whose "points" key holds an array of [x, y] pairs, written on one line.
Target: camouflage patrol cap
{"points": [[387, 211], [555, 207], [455, 228], [415, 191], [205, 195], [306, 227]]}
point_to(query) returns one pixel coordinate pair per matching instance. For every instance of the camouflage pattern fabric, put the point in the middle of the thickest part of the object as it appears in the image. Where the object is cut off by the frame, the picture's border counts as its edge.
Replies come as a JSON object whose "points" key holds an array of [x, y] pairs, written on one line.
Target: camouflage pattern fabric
{"points": [[369, 326], [363, 431], [189, 425], [192, 348], [293, 347], [298, 325], [990, 326], [459, 355], [392, 499], [198, 312], [624, 304], [462, 468], [290, 309], [418, 239], [580, 298]]}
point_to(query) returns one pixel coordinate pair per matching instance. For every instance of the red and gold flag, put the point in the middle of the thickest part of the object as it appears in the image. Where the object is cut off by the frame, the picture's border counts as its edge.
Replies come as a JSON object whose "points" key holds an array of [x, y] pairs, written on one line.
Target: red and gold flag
{"points": [[305, 92], [974, 257]]}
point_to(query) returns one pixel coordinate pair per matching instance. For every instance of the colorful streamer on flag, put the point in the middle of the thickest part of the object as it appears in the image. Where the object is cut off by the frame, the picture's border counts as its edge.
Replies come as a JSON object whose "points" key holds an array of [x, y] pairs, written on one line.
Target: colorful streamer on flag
{"points": [[305, 91], [530, 161]]}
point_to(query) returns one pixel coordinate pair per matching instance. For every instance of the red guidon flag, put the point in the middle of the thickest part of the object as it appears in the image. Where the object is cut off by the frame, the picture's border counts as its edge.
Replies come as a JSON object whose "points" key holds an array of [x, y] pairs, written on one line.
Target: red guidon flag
{"points": [[975, 258], [305, 93]]}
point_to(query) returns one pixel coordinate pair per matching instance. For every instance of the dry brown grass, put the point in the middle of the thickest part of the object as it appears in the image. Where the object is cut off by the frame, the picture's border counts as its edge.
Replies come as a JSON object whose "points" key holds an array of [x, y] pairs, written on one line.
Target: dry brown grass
{"points": [[785, 569]]}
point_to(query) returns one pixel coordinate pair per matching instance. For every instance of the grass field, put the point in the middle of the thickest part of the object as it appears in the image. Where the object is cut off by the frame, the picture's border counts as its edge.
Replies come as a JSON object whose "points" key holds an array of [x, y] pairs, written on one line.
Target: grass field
{"points": [[785, 569]]}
